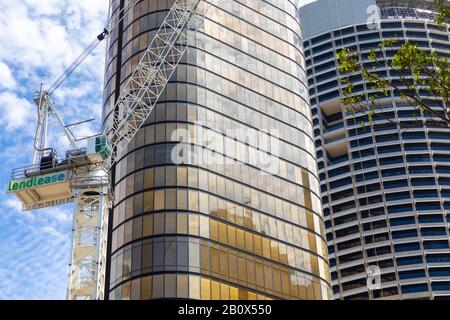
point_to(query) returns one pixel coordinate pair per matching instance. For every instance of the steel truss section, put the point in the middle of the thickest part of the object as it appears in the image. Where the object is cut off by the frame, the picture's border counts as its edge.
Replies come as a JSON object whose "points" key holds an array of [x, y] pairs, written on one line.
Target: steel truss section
{"points": [[142, 90], [88, 259], [46, 108]]}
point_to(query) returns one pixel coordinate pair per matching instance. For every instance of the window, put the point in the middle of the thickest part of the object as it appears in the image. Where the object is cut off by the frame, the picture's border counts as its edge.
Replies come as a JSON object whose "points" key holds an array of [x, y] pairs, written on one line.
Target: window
{"points": [[399, 208], [439, 272], [159, 200], [395, 184], [412, 274], [433, 232], [414, 288], [431, 218], [401, 221], [409, 260], [437, 244], [407, 247], [404, 234]]}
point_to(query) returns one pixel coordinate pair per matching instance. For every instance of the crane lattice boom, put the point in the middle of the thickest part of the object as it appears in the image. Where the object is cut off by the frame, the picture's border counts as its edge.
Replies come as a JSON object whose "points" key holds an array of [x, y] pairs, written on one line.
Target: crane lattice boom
{"points": [[149, 79]]}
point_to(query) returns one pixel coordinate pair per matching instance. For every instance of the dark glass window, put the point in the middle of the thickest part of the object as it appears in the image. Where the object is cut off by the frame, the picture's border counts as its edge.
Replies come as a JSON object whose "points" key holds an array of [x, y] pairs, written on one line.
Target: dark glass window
{"points": [[350, 257], [416, 146], [420, 169], [431, 218], [438, 258], [414, 288], [436, 244], [425, 194], [433, 231], [391, 25], [428, 206], [367, 176], [389, 149], [442, 169], [424, 182], [400, 208], [409, 260], [402, 221], [397, 196], [393, 172], [368, 36], [407, 247], [352, 270], [320, 38], [347, 231], [395, 184], [411, 274], [387, 137], [441, 286], [391, 160], [404, 234], [439, 272], [441, 158], [369, 188], [345, 219], [418, 158]]}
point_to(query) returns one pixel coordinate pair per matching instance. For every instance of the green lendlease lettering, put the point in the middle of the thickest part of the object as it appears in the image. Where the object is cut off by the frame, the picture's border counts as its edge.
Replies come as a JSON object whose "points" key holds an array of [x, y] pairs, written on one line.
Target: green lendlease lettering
{"points": [[13, 186], [36, 182], [30, 183]]}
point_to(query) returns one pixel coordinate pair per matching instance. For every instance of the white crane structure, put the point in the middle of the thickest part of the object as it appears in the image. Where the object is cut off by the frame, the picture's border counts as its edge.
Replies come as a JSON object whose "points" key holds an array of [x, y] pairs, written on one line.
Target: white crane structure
{"points": [[148, 80], [82, 176]]}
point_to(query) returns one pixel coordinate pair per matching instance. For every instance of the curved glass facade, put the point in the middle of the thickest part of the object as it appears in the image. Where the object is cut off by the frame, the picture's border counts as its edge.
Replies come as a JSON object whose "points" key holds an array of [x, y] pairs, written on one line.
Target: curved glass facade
{"points": [[225, 227], [385, 187]]}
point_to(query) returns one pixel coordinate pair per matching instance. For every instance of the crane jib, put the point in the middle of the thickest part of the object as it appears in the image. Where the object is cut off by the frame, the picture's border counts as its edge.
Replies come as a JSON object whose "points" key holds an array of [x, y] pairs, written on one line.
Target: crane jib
{"points": [[142, 90]]}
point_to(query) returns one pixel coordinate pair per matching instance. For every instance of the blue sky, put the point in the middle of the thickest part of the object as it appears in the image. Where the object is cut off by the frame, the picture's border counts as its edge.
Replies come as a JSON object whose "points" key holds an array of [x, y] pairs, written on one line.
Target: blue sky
{"points": [[38, 39]]}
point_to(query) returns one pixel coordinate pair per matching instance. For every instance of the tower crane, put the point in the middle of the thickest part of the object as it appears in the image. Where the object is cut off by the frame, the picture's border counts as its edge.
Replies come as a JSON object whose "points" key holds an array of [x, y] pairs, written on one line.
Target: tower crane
{"points": [[82, 176]]}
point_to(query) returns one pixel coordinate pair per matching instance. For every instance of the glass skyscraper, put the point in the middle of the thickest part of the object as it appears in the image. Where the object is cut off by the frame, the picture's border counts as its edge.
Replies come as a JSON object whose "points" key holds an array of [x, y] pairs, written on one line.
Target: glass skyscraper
{"points": [[385, 184], [227, 225]]}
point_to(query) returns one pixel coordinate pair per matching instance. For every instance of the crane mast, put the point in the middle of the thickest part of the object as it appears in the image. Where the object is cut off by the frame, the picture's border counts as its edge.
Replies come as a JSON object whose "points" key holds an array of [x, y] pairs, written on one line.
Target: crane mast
{"points": [[82, 176]]}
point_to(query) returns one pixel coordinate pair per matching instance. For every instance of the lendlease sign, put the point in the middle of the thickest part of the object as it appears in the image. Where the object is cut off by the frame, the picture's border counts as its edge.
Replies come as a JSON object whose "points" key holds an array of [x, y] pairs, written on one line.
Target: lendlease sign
{"points": [[37, 181]]}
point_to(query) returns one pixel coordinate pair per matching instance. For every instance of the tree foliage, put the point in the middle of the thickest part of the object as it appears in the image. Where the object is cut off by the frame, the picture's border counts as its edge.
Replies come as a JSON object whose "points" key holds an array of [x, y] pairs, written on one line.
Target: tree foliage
{"points": [[420, 77]]}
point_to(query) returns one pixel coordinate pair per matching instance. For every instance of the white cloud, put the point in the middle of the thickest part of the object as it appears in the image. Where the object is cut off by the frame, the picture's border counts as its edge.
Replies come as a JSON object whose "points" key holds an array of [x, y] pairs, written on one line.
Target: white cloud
{"points": [[16, 112], [7, 80], [13, 203], [39, 40]]}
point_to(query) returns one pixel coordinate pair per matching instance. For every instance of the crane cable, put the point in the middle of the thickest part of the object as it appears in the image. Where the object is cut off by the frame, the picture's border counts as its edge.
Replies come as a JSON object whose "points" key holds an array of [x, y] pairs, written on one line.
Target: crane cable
{"points": [[121, 14]]}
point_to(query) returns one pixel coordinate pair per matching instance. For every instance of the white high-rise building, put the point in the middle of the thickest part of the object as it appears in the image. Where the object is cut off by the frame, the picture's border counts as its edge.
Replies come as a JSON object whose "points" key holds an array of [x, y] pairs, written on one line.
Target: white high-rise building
{"points": [[385, 187]]}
